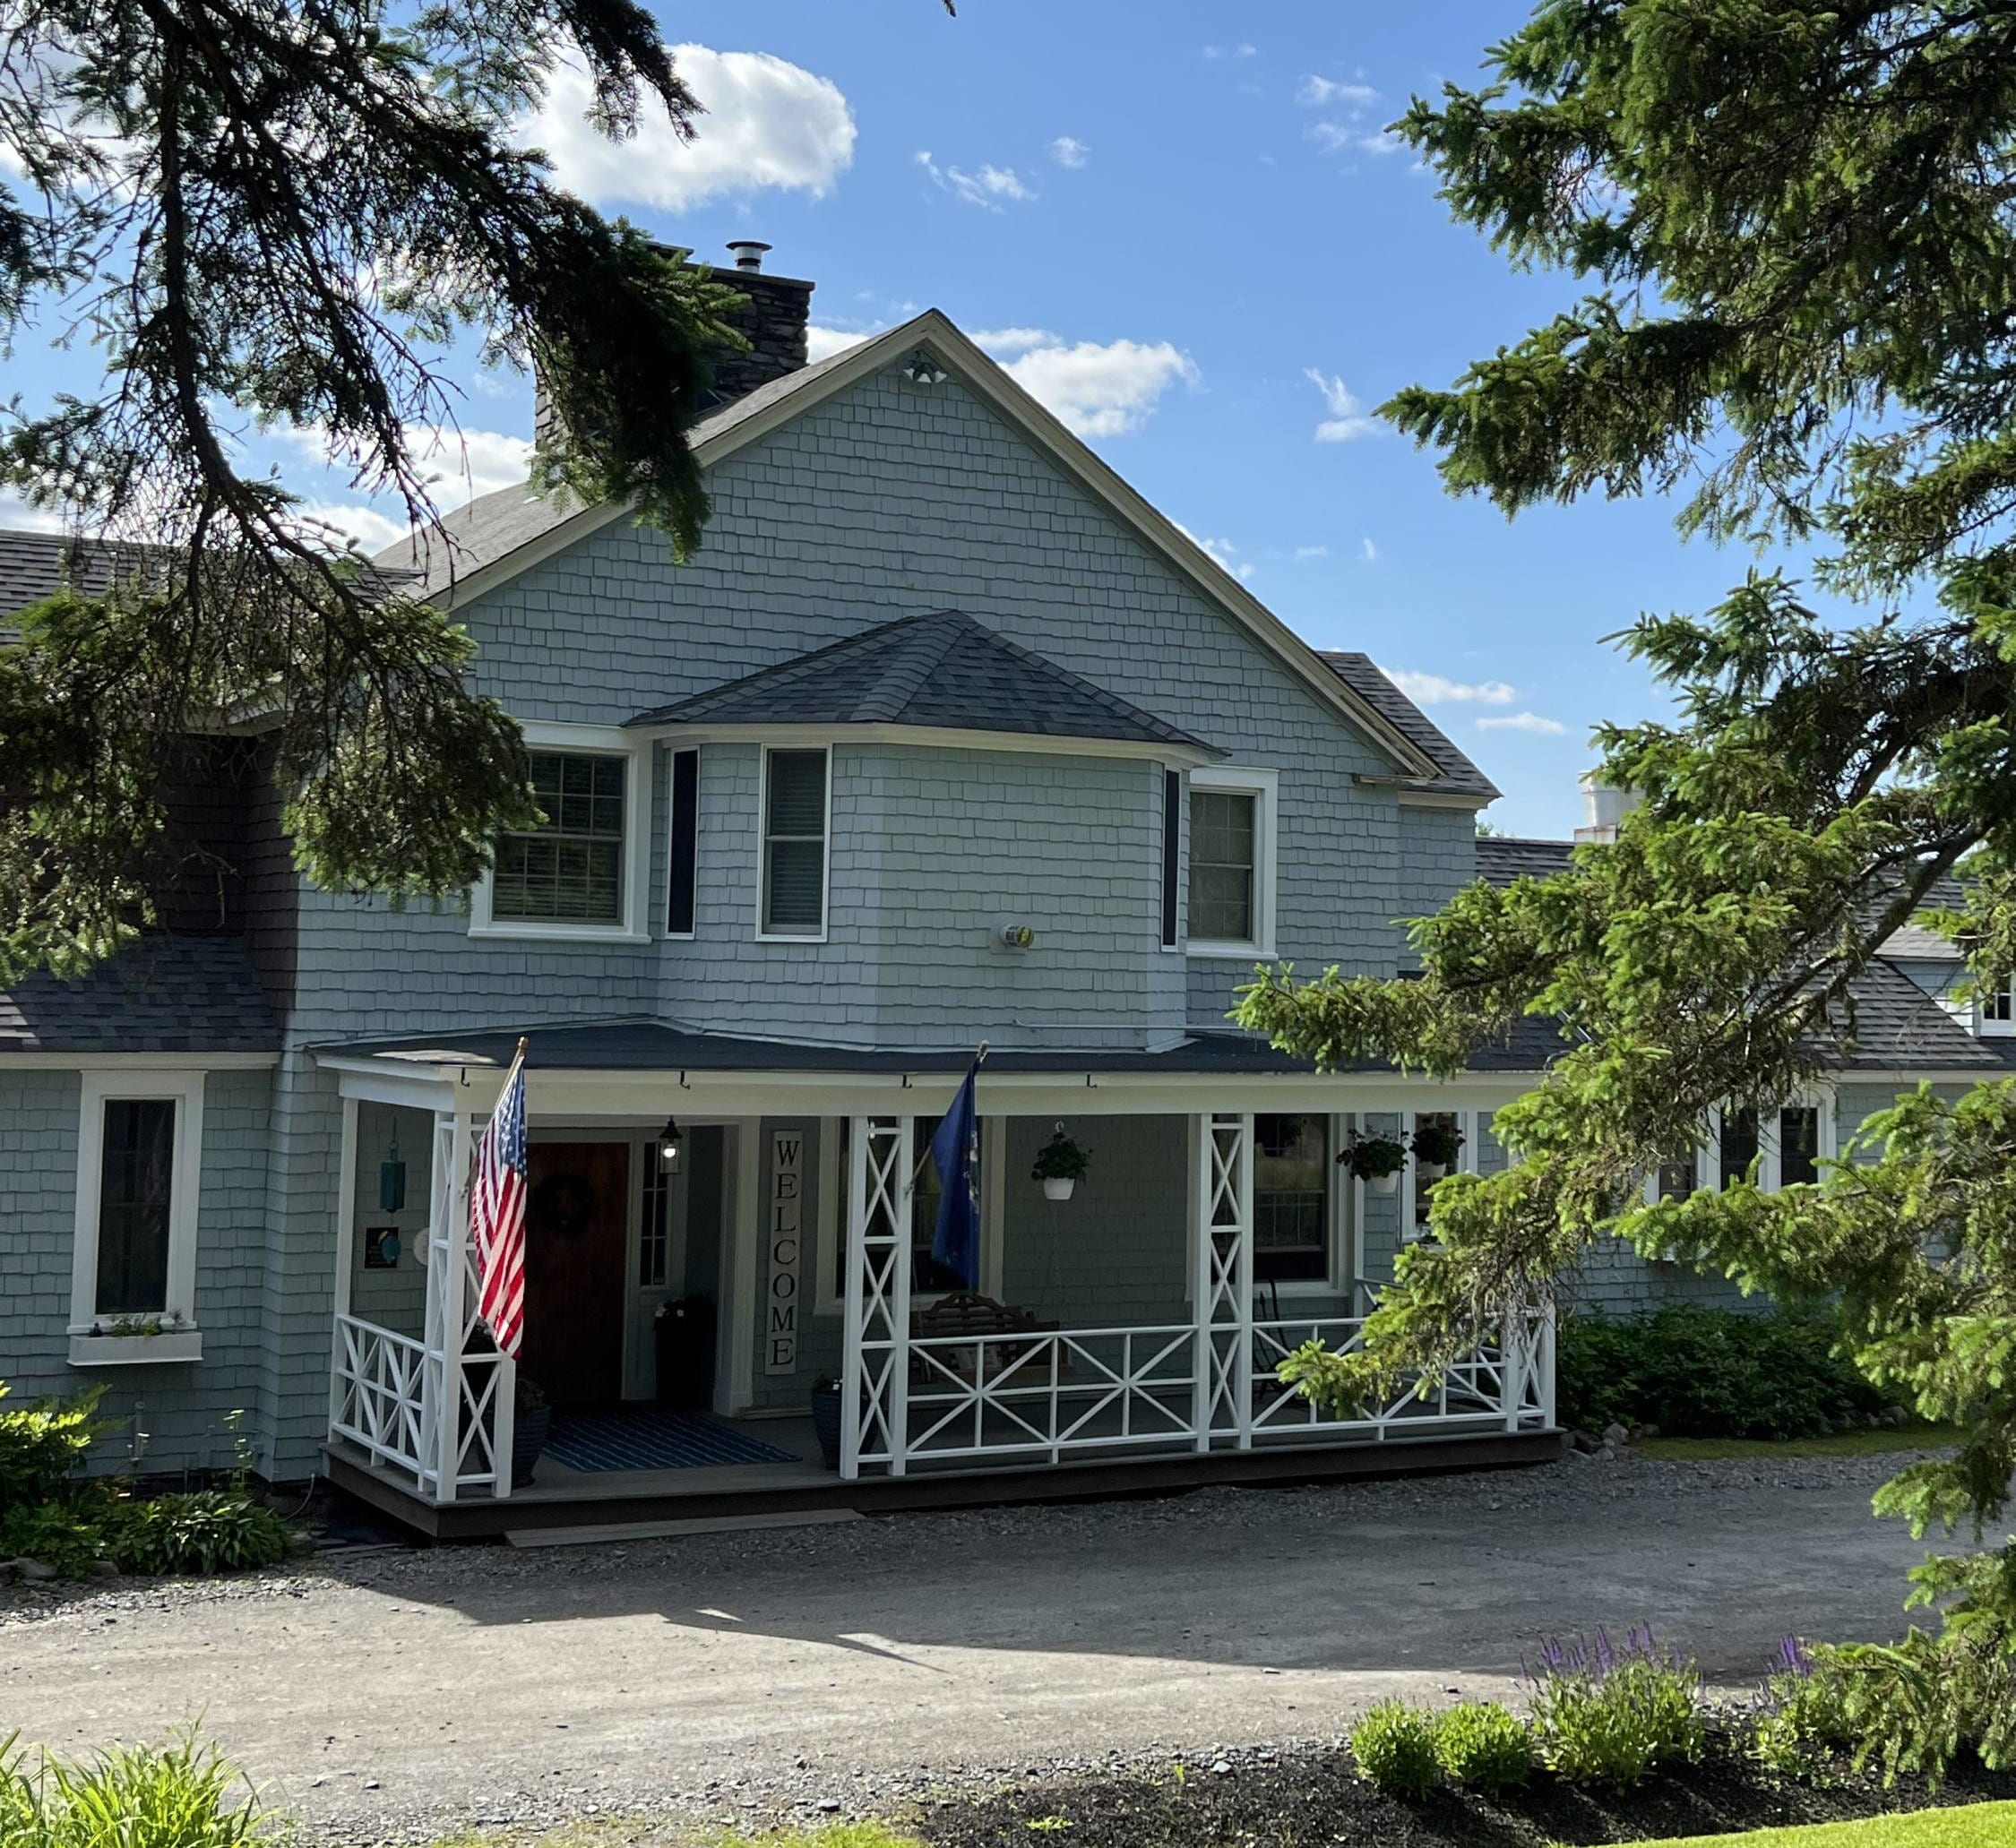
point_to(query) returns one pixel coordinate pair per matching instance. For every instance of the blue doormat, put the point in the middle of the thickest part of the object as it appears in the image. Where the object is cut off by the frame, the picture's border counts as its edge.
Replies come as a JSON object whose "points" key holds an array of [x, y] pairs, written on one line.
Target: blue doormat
{"points": [[651, 1437]]}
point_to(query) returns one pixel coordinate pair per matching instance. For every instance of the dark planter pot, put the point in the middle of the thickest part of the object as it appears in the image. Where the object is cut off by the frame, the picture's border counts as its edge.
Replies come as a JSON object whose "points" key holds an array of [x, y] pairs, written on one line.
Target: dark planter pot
{"points": [[528, 1439], [826, 1424]]}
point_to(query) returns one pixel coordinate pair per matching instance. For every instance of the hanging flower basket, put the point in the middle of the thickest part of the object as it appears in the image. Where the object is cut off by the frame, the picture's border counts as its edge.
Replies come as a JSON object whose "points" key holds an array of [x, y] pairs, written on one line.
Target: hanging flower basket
{"points": [[1375, 1160], [1060, 1165], [1438, 1145]]}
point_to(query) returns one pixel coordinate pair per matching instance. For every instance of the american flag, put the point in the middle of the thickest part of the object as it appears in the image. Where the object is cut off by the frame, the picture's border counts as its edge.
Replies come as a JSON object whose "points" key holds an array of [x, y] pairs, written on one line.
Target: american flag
{"points": [[497, 1213]]}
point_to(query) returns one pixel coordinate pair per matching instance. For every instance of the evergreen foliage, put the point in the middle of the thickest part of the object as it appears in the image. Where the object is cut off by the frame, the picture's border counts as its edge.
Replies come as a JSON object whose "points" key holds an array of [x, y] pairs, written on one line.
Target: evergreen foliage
{"points": [[261, 214], [1795, 230]]}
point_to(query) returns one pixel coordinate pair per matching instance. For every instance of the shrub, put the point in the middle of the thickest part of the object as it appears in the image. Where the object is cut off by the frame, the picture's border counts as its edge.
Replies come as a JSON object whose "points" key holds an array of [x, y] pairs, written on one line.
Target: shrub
{"points": [[179, 1796], [213, 1530], [1395, 1746], [1703, 1372], [41, 1445], [1801, 1713], [1484, 1745], [66, 1536], [1607, 1716]]}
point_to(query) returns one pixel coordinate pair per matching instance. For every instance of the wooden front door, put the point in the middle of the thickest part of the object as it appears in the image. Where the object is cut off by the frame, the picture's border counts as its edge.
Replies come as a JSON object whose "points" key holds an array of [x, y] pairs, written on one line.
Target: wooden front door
{"points": [[577, 1223]]}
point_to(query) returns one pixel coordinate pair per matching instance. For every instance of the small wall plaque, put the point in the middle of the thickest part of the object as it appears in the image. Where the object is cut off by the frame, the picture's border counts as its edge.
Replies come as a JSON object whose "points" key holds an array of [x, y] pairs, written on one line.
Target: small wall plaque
{"points": [[381, 1247]]}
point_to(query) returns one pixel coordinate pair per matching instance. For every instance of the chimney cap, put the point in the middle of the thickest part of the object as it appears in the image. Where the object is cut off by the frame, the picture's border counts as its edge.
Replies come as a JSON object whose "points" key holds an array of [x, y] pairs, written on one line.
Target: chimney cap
{"points": [[748, 253]]}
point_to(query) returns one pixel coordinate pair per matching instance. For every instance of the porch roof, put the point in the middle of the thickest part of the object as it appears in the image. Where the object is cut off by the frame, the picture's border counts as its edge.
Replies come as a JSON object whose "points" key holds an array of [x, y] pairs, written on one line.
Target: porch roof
{"points": [[646, 1045]]}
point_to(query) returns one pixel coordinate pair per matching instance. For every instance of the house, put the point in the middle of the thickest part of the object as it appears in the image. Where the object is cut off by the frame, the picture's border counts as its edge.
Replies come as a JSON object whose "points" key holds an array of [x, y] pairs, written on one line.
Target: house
{"points": [[946, 738]]}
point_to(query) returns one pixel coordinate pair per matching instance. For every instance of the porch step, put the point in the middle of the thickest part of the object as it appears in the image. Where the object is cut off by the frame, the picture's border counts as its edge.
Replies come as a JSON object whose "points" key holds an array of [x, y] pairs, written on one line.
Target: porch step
{"points": [[666, 1530]]}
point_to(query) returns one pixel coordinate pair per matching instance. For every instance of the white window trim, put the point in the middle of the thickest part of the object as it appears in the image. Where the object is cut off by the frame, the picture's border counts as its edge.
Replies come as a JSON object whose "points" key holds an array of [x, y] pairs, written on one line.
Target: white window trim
{"points": [[1265, 786], [185, 1091], [1994, 1029], [1466, 1163], [1708, 1155], [825, 860], [600, 740]]}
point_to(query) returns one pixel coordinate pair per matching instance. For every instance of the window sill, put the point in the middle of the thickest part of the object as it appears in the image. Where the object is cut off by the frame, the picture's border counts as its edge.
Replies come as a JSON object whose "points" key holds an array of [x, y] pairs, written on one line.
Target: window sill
{"points": [[1245, 952], [560, 933], [772, 937], [172, 1347]]}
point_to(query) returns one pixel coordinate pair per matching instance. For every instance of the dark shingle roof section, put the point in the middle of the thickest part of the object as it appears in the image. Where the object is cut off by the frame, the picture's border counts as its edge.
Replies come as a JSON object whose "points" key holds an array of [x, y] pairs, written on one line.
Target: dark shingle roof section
{"points": [[659, 1045], [1895, 1026], [161, 995], [1502, 858], [1460, 776], [35, 566], [941, 670]]}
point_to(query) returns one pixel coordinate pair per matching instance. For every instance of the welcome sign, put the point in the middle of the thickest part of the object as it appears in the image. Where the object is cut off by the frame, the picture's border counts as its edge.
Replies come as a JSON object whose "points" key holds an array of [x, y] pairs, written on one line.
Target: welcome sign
{"points": [[787, 1243]]}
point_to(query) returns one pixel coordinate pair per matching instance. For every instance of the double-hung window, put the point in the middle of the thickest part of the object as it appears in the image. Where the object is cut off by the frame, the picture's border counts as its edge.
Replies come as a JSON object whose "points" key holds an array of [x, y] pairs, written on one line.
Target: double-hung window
{"points": [[795, 813], [1997, 1007], [581, 870], [1231, 909], [139, 1142], [1292, 1199]]}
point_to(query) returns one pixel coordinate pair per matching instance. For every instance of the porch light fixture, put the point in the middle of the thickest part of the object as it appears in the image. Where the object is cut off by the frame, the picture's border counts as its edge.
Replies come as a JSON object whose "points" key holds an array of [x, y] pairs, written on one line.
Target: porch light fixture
{"points": [[671, 1140]]}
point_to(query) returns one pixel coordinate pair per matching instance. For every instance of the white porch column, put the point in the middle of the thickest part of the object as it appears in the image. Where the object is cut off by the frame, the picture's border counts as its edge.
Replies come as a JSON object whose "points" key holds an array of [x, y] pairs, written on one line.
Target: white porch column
{"points": [[1221, 1287], [875, 1358], [441, 1382], [346, 1256]]}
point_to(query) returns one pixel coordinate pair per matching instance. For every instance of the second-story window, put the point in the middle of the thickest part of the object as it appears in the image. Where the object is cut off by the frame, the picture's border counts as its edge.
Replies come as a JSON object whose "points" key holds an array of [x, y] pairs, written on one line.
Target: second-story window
{"points": [[1998, 1008], [569, 869], [1231, 908], [794, 868]]}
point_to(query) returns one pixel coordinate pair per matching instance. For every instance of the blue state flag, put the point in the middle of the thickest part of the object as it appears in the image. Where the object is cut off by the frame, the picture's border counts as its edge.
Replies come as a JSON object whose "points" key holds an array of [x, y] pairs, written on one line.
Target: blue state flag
{"points": [[955, 1152]]}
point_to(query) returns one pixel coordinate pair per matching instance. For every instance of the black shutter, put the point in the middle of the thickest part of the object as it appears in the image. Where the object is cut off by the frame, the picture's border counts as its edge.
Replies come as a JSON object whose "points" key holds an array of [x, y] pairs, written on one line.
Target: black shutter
{"points": [[1172, 846], [683, 881]]}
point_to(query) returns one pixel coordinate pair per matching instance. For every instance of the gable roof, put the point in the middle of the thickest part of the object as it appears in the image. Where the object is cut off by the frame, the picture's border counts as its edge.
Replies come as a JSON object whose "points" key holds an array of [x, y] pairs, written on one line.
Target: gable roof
{"points": [[1455, 774], [942, 670], [161, 994], [1502, 858], [493, 540]]}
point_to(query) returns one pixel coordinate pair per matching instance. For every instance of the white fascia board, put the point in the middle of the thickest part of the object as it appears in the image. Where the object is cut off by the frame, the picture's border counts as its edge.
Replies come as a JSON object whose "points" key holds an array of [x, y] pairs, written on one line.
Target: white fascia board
{"points": [[811, 737], [138, 1062]]}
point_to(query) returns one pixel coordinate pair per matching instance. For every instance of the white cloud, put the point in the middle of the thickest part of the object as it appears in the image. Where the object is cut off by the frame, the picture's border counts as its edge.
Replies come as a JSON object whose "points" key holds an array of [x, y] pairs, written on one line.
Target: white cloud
{"points": [[1368, 552], [1322, 92], [18, 516], [1335, 138], [1068, 150], [998, 341], [1523, 722], [1095, 389], [459, 465], [823, 342], [986, 188], [1220, 552], [767, 123], [1346, 416], [374, 531], [1242, 50], [1302, 552], [1434, 690]]}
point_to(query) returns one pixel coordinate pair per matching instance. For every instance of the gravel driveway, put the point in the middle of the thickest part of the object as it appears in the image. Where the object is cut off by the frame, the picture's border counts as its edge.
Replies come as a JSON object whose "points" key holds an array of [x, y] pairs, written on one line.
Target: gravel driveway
{"points": [[413, 1693]]}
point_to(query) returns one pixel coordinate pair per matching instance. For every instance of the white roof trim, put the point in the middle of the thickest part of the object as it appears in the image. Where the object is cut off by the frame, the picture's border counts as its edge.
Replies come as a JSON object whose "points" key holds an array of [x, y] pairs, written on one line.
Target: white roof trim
{"points": [[931, 738], [732, 431]]}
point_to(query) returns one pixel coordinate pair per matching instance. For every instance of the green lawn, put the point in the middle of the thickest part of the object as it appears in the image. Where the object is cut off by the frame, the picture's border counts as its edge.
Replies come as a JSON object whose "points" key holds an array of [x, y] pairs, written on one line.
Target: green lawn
{"points": [[1845, 1443], [1972, 1826]]}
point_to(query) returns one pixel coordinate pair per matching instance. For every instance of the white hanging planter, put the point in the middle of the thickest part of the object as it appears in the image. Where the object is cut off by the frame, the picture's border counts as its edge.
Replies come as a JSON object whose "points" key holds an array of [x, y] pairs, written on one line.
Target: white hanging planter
{"points": [[1384, 1183], [1057, 1187]]}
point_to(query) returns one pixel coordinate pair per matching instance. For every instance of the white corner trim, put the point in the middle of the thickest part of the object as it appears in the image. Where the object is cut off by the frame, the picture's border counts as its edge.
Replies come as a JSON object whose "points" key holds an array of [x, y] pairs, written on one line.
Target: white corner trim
{"points": [[1239, 780], [633, 926], [185, 1091]]}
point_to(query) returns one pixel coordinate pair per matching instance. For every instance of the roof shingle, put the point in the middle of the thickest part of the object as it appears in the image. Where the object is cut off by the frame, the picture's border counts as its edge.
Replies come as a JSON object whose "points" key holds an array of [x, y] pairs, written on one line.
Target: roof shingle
{"points": [[942, 670], [1460, 776], [161, 995]]}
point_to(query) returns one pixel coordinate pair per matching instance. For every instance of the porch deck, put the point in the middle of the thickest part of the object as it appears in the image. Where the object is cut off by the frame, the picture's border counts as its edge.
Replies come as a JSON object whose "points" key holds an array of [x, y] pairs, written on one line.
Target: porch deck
{"points": [[562, 1498]]}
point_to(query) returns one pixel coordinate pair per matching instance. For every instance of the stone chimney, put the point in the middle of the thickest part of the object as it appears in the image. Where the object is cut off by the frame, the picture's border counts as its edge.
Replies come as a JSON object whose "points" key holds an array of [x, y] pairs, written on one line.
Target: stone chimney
{"points": [[1604, 806], [772, 320]]}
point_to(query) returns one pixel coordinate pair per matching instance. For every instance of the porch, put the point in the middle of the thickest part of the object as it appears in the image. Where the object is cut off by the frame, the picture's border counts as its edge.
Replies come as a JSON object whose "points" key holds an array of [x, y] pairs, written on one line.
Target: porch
{"points": [[1130, 1340]]}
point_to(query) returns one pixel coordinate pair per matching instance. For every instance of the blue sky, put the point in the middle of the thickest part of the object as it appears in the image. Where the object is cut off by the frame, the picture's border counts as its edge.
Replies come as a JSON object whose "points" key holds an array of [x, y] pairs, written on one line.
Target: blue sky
{"points": [[1181, 227]]}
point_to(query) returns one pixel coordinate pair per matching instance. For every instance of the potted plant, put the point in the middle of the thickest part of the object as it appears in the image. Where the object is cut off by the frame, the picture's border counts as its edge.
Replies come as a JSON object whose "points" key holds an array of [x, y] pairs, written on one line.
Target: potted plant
{"points": [[1437, 1145], [1375, 1160], [1060, 1165], [531, 1419], [826, 1417]]}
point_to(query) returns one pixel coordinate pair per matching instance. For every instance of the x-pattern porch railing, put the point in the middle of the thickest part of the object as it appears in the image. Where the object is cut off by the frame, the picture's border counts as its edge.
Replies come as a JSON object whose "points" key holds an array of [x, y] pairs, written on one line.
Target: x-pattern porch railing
{"points": [[381, 1399]]}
